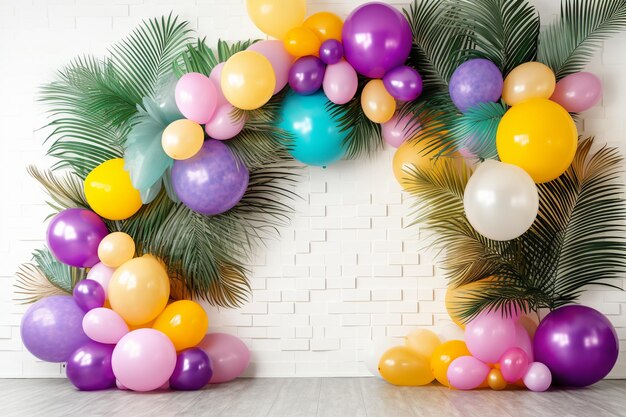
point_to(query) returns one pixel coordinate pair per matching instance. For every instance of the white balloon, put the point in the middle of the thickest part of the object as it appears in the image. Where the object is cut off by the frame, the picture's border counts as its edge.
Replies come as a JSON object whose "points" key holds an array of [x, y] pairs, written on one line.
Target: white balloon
{"points": [[447, 330], [501, 200], [377, 348]]}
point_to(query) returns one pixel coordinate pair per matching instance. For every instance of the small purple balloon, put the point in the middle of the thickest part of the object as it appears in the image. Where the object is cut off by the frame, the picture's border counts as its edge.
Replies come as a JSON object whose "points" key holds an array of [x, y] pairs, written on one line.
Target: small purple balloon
{"points": [[306, 75], [52, 328], [578, 344], [331, 51], [475, 81], [193, 370], [89, 367], [212, 181], [89, 294], [403, 83], [74, 235]]}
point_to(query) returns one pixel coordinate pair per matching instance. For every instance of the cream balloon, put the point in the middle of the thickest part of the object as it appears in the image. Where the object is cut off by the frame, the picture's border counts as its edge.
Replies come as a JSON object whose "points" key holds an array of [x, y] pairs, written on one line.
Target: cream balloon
{"points": [[526, 81]]}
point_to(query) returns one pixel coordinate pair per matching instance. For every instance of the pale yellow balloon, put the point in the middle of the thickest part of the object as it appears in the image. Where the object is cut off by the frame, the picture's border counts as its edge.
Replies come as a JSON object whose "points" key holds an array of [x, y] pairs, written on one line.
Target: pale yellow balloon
{"points": [[378, 105], [182, 139], [423, 342], [248, 80], [527, 81], [276, 17], [115, 249]]}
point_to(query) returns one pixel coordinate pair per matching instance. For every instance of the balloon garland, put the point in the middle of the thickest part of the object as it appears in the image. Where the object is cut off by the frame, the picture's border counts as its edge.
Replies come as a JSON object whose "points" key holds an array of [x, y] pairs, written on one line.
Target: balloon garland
{"points": [[199, 142]]}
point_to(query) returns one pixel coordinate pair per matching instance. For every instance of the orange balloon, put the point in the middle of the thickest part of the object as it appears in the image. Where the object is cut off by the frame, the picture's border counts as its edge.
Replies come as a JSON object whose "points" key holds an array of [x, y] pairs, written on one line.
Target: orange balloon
{"points": [[400, 365], [529, 324], [496, 380], [455, 297], [184, 322], [443, 356], [527, 81], [378, 105], [411, 155], [326, 25], [182, 139], [302, 41]]}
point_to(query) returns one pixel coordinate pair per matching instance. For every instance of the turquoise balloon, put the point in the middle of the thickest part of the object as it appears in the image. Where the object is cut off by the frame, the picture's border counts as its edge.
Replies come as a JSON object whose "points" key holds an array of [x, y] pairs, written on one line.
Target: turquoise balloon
{"points": [[317, 138]]}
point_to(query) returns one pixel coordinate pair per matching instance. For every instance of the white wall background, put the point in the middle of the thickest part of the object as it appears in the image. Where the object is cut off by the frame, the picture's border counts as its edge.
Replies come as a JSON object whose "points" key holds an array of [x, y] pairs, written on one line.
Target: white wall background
{"points": [[345, 272]]}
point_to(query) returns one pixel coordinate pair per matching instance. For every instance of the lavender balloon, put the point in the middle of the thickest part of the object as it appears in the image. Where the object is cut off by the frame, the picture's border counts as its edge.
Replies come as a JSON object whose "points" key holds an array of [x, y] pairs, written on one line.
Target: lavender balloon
{"points": [[193, 370], [212, 181], [475, 81], [331, 51], [89, 294], [306, 75], [74, 235], [578, 344], [403, 83], [89, 368], [52, 328]]}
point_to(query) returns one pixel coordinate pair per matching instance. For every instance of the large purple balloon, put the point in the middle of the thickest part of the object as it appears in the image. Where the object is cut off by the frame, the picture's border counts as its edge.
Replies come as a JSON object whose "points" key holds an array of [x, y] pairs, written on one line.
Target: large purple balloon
{"points": [[475, 81], [52, 328], [306, 75], [74, 235], [578, 344], [193, 370], [89, 368], [376, 38], [89, 294], [403, 83], [212, 181]]}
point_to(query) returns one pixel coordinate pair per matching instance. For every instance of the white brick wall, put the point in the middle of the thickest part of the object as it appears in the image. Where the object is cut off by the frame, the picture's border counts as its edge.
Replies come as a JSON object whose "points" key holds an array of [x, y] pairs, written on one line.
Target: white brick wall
{"points": [[344, 273]]}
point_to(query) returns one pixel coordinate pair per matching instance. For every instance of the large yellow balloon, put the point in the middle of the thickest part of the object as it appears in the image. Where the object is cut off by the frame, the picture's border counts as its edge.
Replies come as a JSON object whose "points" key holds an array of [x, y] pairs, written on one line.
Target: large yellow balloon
{"points": [[378, 105], [139, 290], [184, 322], [443, 356], [540, 137], [302, 41], [326, 25], [109, 191], [411, 155], [182, 139], [527, 81], [402, 366], [276, 17], [423, 342], [115, 249], [248, 80], [457, 296]]}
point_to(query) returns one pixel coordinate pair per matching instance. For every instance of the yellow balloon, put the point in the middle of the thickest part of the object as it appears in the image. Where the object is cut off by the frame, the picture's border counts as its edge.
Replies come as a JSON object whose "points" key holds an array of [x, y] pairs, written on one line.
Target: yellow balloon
{"points": [[527, 81], [495, 380], [443, 356], [378, 105], [402, 366], [248, 80], [139, 290], [423, 342], [276, 17], [182, 139], [529, 324], [115, 249], [109, 191], [302, 41], [411, 155], [457, 296], [540, 137], [326, 25], [184, 322]]}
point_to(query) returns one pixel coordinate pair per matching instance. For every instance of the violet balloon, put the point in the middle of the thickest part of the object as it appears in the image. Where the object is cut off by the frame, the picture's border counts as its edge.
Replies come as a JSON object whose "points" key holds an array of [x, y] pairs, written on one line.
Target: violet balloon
{"points": [[578, 92], [514, 364], [196, 97], [89, 368], [340, 82], [467, 372], [475, 81], [578, 344], [193, 370], [212, 181], [73, 237], [376, 38], [331, 51], [306, 75], [538, 377], [89, 294], [274, 50], [403, 83], [229, 356]]}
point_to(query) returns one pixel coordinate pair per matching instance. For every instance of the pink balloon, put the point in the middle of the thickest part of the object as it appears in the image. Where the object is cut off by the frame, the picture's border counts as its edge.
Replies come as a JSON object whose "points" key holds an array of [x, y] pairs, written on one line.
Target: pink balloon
{"points": [[102, 275], [144, 360], [120, 386], [538, 378], [396, 131], [467, 372], [216, 77], [196, 97], [222, 126], [340, 82], [489, 335], [523, 341], [275, 52], [578, 92], [104, 325], [514, 364], [229, 356]]}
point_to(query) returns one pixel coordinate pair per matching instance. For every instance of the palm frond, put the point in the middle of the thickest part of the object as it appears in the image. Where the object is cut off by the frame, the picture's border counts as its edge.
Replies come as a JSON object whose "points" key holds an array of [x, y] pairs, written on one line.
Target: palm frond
{"points": [[32, 285], [62, 276], [200, 58], [476, 129], [65, 189]]}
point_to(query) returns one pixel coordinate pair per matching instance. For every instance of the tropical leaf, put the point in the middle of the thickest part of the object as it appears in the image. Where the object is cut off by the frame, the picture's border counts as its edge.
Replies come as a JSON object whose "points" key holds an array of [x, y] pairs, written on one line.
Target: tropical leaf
{"points": [[62, 276], [32, 285], [200, 58], [65, 189], [476, 129]]}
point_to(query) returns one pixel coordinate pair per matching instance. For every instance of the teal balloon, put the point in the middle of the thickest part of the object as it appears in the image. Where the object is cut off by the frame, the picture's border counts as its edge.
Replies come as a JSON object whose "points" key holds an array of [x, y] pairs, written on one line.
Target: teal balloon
{"points": [[317, 137]]}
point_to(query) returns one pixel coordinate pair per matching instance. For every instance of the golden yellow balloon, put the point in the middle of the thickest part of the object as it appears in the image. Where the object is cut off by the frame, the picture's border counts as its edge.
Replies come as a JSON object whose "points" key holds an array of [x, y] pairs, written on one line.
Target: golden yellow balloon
{"points": [[527, 81], [139, 290], [456, 297], [378, 105], [412, 155], [538, 136], [423, 342], [109, 191], [115, 249], [495, 380], [248, 80], [302, 41], [184, 322], [276, 17], [182, 139], [443, 356], [326, 25], [402, 366]]}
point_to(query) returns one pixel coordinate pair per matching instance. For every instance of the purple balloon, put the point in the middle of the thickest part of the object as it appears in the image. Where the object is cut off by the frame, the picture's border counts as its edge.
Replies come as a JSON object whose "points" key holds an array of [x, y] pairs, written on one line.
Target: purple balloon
{"points": [[306, 75], [193, 370], [89, 368], [376, 38], [475, 81], [52, 328], [89, 294], [578, 344], [212, 181], [74, 235], [331, 51], [403, 83]]}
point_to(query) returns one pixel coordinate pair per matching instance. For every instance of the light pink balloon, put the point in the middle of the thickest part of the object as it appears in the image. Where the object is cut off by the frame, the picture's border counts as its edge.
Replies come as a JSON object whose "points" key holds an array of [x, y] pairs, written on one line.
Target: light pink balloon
{"points": [[104, 325], [216, 77], [489, 335], [538, 377], [275, 52], [396, 131], [578, 92], [120, 386], [144, 360], [523, 341], [102, 275], [229, 356], [222, 126], [514, 364], [467, 372], [340, 82], [196, 97]]}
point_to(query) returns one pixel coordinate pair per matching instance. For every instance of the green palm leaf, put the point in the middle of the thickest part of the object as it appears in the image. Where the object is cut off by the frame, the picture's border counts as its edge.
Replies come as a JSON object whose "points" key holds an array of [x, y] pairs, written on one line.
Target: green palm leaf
{"points": [[65, 189], [32, 285], [476, 129], [200, 58]]}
